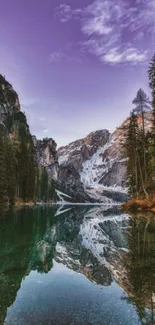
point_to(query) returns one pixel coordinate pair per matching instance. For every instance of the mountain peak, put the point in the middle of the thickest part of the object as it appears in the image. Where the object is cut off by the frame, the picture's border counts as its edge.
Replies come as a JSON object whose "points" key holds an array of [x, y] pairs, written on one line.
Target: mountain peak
{"points": [[9, 101]]}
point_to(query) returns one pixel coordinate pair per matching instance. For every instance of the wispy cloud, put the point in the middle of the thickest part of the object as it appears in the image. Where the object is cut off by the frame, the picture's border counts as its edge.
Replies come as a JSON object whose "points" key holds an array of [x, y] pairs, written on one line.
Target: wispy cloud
{"points": [[98, 18], [55, 57], [115, 31], [129, 55], [41, 118], [59, 56], [64, 12]]}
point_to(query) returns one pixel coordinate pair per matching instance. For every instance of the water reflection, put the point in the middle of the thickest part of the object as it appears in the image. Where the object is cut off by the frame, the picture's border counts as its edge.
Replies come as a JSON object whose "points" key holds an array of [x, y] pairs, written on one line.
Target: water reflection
{"points": [[101, 243], [140, 266]]}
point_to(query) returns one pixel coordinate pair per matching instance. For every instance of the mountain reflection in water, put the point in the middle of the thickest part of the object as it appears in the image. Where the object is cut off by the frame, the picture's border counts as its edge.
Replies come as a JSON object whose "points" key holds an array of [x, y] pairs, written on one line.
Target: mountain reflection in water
{"points": [[111, 249]]}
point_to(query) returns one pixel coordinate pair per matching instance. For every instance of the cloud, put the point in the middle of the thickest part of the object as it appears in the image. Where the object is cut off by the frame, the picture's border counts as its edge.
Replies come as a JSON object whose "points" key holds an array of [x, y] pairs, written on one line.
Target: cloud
{"points": [[129, 55], [98, 17], [64, 12], [45, 130], [105, 17], [114, 31], [41, 118], [55, 57], [58, 56]]}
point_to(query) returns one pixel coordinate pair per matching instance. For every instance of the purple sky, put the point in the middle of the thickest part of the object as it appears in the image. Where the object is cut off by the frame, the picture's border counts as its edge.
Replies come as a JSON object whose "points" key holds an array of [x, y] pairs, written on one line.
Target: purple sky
{"points": [[77, 64]]}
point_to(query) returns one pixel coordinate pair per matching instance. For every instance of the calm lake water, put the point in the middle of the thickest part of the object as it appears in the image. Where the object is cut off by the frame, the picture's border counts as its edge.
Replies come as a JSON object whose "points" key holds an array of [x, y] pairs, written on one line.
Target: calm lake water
{"points": [[77, 265]]}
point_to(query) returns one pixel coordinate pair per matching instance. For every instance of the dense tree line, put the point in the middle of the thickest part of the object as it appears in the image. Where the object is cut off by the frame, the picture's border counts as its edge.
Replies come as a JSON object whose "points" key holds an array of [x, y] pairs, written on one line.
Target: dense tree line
{"points": [[140, 141], [20, 176]]}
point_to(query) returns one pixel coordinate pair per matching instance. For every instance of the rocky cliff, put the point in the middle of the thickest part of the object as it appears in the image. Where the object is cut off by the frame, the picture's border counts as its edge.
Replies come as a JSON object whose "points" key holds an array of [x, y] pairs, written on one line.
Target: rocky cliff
{"points": [[46, 155], [71, 159], [9, 102], [81, 150], [96, 163]]}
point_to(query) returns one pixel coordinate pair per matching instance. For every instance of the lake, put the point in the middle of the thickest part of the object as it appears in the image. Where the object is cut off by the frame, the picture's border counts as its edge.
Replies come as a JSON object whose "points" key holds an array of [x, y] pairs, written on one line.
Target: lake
{"points": [[76, 265]]}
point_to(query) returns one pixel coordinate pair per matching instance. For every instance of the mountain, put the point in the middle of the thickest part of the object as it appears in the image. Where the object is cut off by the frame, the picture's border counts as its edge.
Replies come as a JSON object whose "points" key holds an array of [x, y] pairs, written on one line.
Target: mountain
{"points": [[46, 155], [71, 159], [9, 101], [17, 165], [91, 169], [23, 174], [95, 163]]}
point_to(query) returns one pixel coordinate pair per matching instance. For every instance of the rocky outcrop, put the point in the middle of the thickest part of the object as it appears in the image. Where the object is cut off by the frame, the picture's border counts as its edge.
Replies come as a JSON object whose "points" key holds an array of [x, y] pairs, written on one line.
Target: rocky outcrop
{"points": [[68, 181], [9, 102], [81, 150], [94, 167], [107, 167], [71, 159], [46, 155]]}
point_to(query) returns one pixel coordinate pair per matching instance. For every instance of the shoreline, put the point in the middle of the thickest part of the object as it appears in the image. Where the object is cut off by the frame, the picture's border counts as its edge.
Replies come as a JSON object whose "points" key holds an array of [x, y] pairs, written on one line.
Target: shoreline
{"points": [[19, 204], [140, 203]]}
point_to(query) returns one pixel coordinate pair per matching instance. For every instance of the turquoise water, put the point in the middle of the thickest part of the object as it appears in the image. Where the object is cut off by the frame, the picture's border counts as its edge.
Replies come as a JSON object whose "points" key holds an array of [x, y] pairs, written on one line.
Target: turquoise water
{"points": [[88, 265]]}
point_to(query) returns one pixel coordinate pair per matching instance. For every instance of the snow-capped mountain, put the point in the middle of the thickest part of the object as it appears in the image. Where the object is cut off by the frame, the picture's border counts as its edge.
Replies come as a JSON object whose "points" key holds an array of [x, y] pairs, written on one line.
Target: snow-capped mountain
{"points": [[92, 169], [98, 164]]}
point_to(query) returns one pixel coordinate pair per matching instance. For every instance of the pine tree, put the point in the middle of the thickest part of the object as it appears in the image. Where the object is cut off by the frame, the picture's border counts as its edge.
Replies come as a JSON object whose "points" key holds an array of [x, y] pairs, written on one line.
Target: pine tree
{"points": [[142, 104], [30, 179], [131, 153], [11, 170], [44, 185], [151, 73], [134, 152], [17, 156]]}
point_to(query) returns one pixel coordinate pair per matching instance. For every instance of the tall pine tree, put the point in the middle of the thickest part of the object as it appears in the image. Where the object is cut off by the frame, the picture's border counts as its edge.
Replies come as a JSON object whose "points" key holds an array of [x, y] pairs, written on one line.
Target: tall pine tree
{"points": [[151, 73], [142, 104]]}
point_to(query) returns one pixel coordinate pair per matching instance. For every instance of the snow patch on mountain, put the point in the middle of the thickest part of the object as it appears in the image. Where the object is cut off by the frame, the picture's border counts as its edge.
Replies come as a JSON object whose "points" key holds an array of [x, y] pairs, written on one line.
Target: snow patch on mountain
{"points": [[99, 165], [62, 196], [93, 168]]}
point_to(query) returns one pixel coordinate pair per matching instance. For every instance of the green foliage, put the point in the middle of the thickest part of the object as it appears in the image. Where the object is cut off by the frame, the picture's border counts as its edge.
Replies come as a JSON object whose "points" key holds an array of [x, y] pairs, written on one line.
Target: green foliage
{"points": [[140, 144], [20, 176], [45, 187], [133, 151], [137, 167], [152, 144]]}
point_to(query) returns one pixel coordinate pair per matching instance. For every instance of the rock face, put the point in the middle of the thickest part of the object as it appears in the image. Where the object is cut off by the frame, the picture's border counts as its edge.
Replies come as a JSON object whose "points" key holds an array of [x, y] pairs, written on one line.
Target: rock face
{"points": [[69, 182], [9, 102], [95, 165], [81, 150], [106, 166], [46, 155], [71, 159]]}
